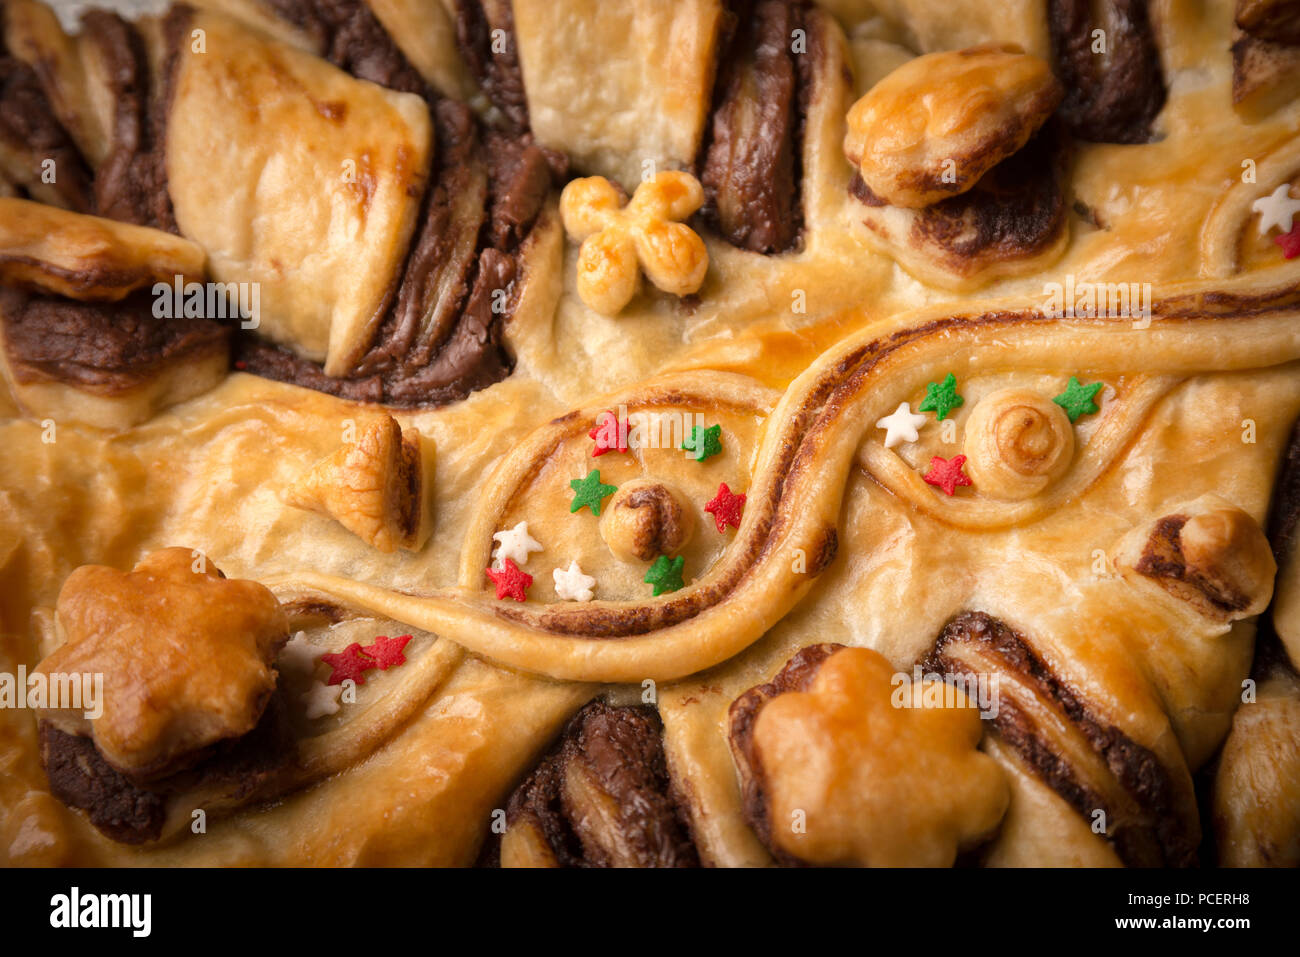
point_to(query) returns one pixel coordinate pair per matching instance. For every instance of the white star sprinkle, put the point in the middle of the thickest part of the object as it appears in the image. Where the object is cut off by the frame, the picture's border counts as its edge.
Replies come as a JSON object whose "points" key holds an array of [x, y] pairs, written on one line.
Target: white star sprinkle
{"points": [[1276, 209], [572, 585], [514, 544], [300, 654], [321, 700], [901, 426]]}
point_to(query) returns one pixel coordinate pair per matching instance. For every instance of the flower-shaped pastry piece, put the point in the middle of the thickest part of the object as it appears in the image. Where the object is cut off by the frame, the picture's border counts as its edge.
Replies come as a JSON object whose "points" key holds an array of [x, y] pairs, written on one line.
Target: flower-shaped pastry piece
{"points": [[375, 486], [620, 241], [934, 126], [839, 768], [185, 652]]}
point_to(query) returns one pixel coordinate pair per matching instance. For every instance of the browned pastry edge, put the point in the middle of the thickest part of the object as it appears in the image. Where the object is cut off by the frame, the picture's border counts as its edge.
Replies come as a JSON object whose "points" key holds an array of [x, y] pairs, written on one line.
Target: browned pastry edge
{"points": [[1002, 142], [797, 675], [622, 748], [1159, 838], [1113, 98]]}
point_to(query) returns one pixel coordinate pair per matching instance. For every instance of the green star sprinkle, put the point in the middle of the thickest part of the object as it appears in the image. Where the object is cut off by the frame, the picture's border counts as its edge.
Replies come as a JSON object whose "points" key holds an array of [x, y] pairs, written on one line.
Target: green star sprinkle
{"points": [[665, 574], [590, 492], [941, 398], [704, 443], [1076, 400]]}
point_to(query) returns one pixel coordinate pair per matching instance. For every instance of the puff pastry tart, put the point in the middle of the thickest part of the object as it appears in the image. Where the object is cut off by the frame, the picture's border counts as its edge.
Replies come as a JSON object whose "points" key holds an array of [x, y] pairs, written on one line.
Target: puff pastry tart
{"points": [[714, 433]]}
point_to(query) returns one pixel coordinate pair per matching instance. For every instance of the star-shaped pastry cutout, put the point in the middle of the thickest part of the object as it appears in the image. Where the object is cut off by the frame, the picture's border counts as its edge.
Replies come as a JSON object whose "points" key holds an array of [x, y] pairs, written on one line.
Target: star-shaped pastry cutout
{"points": [[510, 581], [610, 434], [1290, 242], [350, 663], [726, 508], [590, 492], [300, 654], [947, 473], [1276, 209], [572, 585], [1077, 399], [704, 443], [665, 574], [941, 397], [900, 425], [515, 544], [321, 700], [386, 652]]}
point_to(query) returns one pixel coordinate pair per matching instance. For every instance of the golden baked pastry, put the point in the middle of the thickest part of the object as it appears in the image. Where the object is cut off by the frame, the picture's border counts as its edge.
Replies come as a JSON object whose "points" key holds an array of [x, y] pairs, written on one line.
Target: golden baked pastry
{"points": [[933, 500]]}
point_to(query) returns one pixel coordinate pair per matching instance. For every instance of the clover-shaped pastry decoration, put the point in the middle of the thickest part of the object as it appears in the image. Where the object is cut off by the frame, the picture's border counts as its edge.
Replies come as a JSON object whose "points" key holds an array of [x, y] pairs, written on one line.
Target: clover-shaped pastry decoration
{"points": [[620, 241], [1018, 442], [376, 486], [934, 126], [1209, 553], [840, 768], [186, 657]]}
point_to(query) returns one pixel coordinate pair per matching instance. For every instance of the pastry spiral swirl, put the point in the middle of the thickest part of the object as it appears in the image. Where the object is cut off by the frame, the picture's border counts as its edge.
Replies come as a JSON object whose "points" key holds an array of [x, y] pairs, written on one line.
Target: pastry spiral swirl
{"points": [[1018, 442]]}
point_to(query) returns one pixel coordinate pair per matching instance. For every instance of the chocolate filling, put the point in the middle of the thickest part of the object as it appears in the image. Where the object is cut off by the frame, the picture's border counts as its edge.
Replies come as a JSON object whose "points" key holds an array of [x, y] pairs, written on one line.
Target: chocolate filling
{"points": [[132, 812], [751, 161], [131, 183], [485, 33], [1110, 97], [440, 335], [29, 135], [352, 39], [617, 752], [105, 346], [1157, 835]]}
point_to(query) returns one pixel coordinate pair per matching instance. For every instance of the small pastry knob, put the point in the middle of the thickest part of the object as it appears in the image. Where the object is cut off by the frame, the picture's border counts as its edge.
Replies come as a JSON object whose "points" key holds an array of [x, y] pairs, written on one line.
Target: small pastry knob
{"points": [[645, 519]]}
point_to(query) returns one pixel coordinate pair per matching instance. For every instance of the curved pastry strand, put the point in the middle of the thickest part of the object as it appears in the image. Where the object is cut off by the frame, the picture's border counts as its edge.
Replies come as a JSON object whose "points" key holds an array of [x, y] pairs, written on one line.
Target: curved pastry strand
{"points": [[789, 531]]}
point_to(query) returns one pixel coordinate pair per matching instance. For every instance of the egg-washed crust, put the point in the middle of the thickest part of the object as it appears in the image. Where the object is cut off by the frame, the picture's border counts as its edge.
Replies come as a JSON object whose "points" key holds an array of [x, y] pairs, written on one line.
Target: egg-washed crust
{"points": [[811, 448], [794, 500]]}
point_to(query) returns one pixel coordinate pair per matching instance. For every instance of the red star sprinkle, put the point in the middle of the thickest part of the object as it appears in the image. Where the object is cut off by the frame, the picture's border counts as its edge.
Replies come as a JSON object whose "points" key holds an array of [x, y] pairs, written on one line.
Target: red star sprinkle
{"points": [[1290, 242], [241, 365], [607, 423], [510, 581], [387, 652], [726, 508], [947, 474], [348, 663]]}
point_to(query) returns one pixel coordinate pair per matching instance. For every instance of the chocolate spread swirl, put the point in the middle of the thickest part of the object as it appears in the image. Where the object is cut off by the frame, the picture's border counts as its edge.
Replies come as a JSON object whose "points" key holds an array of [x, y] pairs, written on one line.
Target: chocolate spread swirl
{"points": [[751, 162]]}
